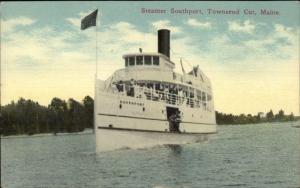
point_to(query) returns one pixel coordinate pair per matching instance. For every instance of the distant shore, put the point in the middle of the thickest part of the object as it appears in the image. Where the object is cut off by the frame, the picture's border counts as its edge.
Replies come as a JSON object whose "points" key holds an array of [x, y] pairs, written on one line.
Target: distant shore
{"points": [[266, 122], [230, 119], [27, 117]]}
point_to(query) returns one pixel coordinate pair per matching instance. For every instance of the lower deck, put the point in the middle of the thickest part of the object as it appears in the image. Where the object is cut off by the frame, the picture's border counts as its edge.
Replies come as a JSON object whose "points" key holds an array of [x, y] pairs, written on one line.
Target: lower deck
{"points": [[123, 112]]}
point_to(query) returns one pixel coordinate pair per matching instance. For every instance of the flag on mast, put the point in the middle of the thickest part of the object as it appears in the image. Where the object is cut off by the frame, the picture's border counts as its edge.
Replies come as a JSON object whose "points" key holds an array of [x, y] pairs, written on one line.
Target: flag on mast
{"points": [[89, 20]]}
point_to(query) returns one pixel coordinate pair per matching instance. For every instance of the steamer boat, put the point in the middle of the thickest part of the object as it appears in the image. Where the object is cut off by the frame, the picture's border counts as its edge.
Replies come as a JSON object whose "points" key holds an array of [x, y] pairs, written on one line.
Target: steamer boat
{"points": [[134, 107]]}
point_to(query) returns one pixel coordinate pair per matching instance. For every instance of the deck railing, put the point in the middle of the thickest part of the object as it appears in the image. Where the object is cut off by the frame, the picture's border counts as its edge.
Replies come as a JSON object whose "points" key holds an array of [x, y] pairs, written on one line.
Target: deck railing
{"points": [[162, 96]]}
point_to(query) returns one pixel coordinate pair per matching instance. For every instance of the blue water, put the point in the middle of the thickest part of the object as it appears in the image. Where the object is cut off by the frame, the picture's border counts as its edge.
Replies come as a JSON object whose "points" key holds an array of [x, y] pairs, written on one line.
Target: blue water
{"points": [[262, 155]]}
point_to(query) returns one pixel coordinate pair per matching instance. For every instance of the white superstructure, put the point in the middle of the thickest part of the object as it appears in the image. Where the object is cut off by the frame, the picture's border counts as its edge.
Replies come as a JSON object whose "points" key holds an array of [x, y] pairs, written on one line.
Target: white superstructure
{"points": [[133, 106]]}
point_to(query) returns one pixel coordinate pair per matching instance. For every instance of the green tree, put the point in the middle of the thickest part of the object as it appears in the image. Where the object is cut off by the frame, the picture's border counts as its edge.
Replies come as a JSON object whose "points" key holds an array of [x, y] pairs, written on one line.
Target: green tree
{"points": [[26, 116], [76, 116], [88, 104], [8, 120], [291, 117], [270, 115], [241, 119], [59, 109], [280, 116]]}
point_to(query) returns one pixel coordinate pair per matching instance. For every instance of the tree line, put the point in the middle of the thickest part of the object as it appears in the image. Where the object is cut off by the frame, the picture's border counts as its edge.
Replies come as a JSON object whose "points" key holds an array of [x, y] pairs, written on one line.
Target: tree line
{"points": [[224, 119], [29, 117]]}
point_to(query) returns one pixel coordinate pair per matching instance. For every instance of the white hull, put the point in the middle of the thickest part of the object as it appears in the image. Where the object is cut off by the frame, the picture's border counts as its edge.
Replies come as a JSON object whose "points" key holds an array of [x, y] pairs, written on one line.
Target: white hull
{"points": [[150, 116], [113, 139], [129, 124]]}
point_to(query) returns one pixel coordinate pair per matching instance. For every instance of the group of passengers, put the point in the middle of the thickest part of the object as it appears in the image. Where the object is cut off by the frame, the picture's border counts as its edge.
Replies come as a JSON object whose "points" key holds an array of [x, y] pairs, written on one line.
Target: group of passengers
{"points": [[156, 92]]}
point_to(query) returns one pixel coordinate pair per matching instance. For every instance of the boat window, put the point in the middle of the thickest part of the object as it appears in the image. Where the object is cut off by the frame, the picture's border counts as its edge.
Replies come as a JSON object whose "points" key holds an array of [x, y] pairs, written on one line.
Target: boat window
{"points": [[147, 60], [155, 60], [131, 61], [139, 60], [126, 61]]}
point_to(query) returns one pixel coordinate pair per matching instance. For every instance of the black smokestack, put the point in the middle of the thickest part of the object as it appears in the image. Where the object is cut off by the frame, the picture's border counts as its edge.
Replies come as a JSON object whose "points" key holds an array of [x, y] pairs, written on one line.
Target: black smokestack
{"points": [[164, 42]]}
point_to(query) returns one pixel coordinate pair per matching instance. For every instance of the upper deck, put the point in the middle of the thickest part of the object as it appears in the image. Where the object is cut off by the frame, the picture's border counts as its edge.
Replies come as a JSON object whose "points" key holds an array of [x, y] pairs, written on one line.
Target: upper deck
{"points": [[156, 67], [152, 75]]}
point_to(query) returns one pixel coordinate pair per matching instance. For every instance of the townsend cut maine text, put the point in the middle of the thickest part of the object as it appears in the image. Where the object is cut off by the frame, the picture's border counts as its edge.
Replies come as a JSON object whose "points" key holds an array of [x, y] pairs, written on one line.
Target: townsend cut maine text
{"points": [[210, 11]]}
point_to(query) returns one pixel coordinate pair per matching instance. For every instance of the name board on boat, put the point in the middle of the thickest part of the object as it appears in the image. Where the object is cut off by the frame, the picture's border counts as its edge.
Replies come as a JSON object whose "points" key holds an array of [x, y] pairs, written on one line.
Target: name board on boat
{"points": [[131, 103]]}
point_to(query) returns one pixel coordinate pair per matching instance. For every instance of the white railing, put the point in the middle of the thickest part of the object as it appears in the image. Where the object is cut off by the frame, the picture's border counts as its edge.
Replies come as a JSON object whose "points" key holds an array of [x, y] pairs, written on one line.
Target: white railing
{"points": [[161, 96]]}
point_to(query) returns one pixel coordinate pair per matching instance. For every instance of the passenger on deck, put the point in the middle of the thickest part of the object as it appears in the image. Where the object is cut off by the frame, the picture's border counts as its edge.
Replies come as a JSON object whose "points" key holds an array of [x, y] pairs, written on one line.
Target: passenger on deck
{"points": [[176, 91], [166, 93], [161, 90], [172, 94], [192, 99], [137, 90], [174, 121], [144, 91], [131, 81], [155, 95], [114, 88], [131, 88], [120, 86], [161, 87], [180, 95], [171, 90], [151, 92]]}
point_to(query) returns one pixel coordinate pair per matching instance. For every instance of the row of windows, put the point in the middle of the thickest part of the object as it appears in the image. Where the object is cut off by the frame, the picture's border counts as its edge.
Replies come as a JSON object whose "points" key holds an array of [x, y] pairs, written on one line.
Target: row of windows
{"points": [[141, 60]]}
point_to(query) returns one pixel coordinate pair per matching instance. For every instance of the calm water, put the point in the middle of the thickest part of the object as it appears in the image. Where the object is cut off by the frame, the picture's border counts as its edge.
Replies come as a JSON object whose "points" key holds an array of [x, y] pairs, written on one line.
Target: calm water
{"points": [[264, 155]]}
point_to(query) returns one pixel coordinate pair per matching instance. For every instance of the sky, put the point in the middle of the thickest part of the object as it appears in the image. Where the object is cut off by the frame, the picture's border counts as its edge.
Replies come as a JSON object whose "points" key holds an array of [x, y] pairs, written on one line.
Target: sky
{"points": [[251, 60]]}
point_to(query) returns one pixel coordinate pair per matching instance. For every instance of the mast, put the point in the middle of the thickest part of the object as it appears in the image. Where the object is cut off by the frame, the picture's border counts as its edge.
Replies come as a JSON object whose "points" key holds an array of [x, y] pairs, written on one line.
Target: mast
{"points": [[96, 31], [0, 87], [96, 75]]}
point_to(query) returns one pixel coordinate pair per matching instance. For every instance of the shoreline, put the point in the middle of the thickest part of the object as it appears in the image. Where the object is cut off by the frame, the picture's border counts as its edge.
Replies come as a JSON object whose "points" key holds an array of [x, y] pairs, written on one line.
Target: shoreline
{"points": [[263, 122], [88, 131]]}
